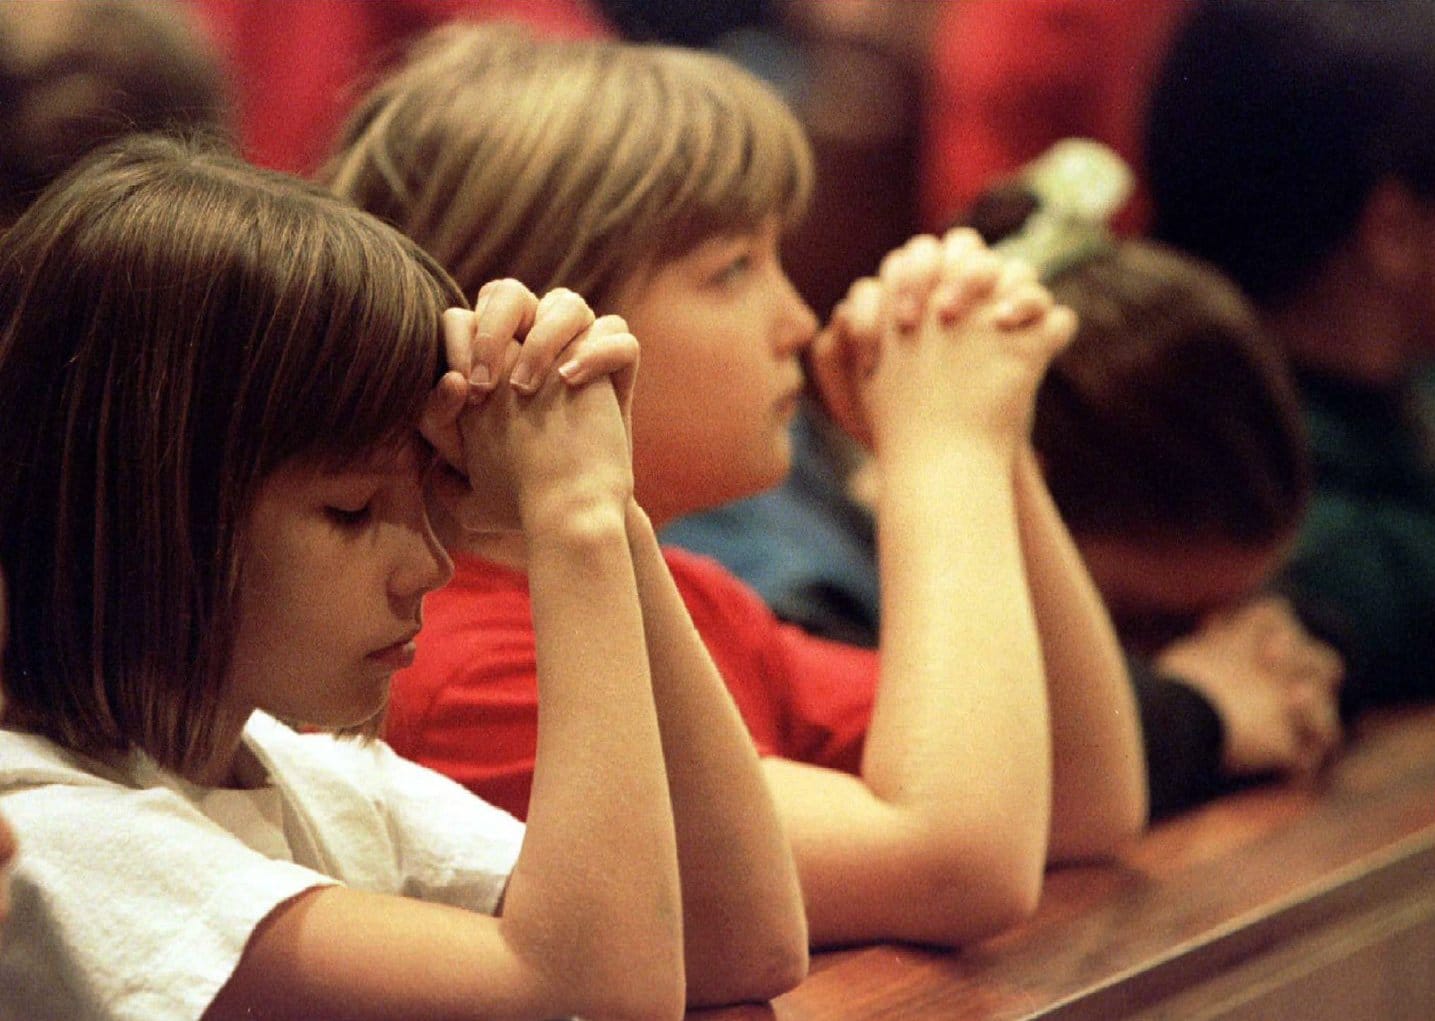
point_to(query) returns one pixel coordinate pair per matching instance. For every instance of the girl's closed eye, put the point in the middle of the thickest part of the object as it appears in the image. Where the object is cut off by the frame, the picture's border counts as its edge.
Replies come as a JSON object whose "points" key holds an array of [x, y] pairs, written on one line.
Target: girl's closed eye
{"points": [[350, 504], [350, 516], [350, 498]]}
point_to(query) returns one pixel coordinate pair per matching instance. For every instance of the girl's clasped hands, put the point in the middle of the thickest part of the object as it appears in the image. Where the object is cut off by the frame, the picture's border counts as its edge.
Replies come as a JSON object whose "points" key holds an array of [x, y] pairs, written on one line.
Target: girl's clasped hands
{"points": [[515, 412]]}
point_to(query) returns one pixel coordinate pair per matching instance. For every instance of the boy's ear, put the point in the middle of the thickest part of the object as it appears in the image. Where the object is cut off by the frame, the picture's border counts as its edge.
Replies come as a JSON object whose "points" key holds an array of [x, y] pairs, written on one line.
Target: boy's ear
{"points": [[1395, 235]]}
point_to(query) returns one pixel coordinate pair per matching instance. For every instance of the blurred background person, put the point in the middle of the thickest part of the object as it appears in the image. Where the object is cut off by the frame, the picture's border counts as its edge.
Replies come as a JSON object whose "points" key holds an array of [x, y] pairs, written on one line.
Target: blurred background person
{"points": [[77, 73], [1290, 145]]}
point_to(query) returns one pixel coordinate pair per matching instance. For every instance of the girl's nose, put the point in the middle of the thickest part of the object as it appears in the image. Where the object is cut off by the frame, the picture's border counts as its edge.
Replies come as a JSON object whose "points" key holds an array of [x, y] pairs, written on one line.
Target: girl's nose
{"points": [[424, 564]]}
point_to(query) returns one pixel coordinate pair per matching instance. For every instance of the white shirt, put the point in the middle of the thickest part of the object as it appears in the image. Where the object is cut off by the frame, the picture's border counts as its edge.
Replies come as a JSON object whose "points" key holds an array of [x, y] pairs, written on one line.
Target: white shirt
{"points": [[135, 892]]}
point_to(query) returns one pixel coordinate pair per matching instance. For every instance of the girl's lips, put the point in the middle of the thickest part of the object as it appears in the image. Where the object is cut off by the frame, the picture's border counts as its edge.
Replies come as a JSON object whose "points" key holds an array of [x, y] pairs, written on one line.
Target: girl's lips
{"points": [[396, 656]]}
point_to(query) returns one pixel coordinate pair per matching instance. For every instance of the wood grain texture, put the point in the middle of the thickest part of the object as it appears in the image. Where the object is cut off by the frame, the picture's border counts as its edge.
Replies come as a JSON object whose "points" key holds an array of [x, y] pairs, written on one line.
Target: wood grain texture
{"points": [[1311, 901]]}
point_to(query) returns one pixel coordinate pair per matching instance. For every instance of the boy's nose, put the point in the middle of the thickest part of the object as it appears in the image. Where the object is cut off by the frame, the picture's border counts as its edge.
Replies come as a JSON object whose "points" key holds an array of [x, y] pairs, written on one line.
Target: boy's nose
{"points": [[799, 324]]}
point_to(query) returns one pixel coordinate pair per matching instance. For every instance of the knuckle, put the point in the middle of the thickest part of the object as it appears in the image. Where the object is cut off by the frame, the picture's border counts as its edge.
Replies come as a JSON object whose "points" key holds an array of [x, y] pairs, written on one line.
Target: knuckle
{"points": [[506, 288], [569, 302]]}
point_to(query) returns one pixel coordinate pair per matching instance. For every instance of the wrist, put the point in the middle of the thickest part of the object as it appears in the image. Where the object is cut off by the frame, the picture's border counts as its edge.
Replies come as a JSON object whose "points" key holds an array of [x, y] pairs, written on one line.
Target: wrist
{"points": [[933, 459], [573, 516], [636, 522]]}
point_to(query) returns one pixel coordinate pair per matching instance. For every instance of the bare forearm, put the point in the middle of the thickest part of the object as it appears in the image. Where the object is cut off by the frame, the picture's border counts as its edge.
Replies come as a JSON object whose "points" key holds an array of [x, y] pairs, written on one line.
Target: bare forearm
{"points": [[1098, 780], [744, 924], [961, 672], [599, 860], [958, 734]]}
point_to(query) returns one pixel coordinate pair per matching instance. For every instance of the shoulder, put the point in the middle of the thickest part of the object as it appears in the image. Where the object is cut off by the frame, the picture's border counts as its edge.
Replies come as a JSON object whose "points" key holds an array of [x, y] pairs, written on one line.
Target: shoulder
{"points": [[115, 870], [381, 822], [326, 766], [27, 760], [50, 792]]}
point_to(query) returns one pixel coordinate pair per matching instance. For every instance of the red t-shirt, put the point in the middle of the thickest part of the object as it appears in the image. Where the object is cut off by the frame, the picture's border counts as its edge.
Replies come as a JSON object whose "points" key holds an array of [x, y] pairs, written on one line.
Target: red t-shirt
{"points": [[298, 65], [468, 707]]}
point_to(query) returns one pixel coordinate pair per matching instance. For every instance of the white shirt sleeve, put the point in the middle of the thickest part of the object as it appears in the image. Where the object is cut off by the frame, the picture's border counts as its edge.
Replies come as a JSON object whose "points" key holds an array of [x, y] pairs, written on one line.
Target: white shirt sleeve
{"points": [[379, 822], [128, 904]]}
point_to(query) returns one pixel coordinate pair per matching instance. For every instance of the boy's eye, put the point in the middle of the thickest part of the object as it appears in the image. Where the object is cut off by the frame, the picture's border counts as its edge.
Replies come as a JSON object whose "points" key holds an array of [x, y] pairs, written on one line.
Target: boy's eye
{"points": [[733, 269], [349, 517]]}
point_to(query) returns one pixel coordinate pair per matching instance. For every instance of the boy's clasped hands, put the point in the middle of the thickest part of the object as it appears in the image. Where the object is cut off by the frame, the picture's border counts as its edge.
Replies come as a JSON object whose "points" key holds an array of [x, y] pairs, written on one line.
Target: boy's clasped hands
{"points": [[949, 337]]}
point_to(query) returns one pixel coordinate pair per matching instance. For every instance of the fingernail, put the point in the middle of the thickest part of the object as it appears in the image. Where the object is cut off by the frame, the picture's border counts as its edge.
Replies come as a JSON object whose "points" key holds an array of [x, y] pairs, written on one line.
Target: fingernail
{"points": [[522, 380], [480, 377], [569, 371]]}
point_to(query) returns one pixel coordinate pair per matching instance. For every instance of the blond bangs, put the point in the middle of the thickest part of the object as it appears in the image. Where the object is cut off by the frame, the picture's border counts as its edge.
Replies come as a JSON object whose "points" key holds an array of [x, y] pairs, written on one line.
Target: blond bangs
{"points": [[741, 153], [573, 164]]}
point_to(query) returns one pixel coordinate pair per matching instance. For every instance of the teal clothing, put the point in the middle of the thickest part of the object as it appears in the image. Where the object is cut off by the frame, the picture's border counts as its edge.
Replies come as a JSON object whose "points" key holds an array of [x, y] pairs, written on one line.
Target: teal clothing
{"points": [[1363, 570]]}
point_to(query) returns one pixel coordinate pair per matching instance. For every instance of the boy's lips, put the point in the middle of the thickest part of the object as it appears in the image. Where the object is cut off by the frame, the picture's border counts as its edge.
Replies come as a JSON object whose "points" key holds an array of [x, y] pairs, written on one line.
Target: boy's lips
{"points": [[792, 393]]}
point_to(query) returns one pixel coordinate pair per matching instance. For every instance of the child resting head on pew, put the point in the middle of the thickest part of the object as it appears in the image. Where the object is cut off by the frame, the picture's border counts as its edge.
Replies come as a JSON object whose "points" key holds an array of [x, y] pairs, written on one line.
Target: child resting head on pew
{"points": [[924, 788], [1173, 446], [213, 527]]}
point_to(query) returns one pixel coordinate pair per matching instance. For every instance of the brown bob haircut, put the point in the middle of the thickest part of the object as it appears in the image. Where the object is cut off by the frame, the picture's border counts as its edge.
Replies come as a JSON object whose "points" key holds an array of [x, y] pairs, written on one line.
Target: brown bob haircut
{"points": [[1171, 416], [574, 163], [176, 325]]}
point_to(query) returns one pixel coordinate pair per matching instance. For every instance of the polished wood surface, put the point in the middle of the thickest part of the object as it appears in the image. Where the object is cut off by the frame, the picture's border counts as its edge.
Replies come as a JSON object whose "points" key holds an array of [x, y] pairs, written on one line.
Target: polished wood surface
{"points": [[1308, 901]]}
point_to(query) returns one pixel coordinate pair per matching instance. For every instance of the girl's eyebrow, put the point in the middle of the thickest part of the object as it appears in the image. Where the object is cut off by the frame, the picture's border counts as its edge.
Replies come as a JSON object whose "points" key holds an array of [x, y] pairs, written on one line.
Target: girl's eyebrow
{"points": [[394, 459]]}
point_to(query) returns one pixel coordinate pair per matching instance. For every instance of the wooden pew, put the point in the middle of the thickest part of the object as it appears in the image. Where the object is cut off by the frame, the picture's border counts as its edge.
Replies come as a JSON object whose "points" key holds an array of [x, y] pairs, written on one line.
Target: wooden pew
{"points": [[1307, 902]]}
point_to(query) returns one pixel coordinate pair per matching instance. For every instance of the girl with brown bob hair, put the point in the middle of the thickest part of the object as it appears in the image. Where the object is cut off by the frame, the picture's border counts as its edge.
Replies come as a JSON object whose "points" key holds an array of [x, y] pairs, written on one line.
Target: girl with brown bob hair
{"points": [[925, 789], [219, 383]]}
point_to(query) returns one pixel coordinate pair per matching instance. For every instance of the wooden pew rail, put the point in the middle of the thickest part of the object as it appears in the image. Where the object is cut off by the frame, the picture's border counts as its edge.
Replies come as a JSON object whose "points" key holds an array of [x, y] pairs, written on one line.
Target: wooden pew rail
{"points": [[1301, 901]]}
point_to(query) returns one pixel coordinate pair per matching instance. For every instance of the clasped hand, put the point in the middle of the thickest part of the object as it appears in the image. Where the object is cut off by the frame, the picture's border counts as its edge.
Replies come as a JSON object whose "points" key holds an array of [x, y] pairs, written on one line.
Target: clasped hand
{"points": [[949, 335], [1273, 684], [533, 412]]}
